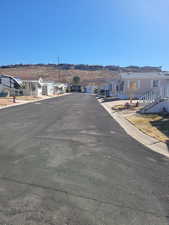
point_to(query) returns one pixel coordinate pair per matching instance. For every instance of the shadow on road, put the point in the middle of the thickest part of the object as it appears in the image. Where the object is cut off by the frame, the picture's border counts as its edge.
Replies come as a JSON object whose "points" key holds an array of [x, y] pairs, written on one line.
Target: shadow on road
{"points": [[110, 99]]}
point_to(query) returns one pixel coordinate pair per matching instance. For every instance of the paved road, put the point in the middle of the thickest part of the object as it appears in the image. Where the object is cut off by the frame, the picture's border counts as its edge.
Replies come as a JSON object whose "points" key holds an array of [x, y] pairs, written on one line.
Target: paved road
{"points": [[65, 161]]}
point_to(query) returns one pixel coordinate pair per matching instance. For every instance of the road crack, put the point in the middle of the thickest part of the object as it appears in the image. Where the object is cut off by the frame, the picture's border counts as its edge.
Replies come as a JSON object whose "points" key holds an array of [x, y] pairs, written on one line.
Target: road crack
{"points": [[116, 204]]}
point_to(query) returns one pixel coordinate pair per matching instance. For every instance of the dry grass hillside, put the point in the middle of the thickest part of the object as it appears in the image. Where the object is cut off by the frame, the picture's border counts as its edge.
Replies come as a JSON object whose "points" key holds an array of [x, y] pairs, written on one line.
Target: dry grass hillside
{"points": [[53, 73]]}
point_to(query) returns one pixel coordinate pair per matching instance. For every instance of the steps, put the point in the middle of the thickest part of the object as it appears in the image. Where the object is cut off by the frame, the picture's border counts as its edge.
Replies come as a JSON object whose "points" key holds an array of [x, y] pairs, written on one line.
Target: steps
{"points": [[149, 106], [150, 98]]}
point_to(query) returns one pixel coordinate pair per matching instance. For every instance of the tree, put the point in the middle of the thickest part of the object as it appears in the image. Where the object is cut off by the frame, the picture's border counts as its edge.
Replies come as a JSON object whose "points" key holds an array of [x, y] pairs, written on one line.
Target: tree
{"points": [[76, 80]]}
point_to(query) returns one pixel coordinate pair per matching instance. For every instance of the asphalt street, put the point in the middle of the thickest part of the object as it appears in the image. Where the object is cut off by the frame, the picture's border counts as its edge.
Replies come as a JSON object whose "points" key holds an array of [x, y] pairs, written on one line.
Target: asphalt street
{"points": [[65, 161]]}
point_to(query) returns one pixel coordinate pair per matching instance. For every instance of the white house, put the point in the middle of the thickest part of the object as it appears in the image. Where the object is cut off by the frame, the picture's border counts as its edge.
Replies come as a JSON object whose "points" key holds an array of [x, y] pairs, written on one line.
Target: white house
{"points": [[52, 88], [137, 85], [40, 87], [48, 88], [60, 88], [9, 85], [32, 87]]}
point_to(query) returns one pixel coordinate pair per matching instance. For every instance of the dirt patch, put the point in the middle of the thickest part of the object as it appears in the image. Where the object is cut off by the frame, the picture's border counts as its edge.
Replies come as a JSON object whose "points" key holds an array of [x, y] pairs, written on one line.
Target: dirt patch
{"points": [[6, 101], [27, 98]]}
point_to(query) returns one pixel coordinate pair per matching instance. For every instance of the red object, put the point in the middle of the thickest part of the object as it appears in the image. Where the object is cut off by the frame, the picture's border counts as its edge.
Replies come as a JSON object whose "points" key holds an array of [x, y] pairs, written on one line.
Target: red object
{"points": [[137, 104]]}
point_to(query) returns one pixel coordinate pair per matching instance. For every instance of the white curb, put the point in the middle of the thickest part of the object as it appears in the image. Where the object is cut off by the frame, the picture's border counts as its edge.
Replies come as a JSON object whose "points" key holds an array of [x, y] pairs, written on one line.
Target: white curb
{"points": [[150, 142]]}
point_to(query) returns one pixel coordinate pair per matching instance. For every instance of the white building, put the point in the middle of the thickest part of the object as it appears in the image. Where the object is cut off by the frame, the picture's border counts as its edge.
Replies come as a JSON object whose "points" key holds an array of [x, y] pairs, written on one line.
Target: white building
{"points": [[52, 88], [60, 88], [32, 87], [40, 87], [137, 85]]}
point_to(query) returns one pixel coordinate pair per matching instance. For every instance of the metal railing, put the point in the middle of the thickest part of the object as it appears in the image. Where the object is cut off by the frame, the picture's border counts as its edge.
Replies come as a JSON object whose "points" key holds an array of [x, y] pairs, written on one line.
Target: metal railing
{"points": [[155, 94], [153, 97]]}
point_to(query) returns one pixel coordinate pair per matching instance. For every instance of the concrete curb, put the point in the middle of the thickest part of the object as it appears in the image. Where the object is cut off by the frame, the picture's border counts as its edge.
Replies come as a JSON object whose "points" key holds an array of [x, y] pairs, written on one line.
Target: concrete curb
{"points": [[150, 142], [32, 101]]}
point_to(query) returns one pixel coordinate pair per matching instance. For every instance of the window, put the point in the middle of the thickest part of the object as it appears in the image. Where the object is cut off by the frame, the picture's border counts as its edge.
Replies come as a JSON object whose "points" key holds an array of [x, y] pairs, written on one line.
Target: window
{"points": [[121, 87], [155, 83], [133, 84]]}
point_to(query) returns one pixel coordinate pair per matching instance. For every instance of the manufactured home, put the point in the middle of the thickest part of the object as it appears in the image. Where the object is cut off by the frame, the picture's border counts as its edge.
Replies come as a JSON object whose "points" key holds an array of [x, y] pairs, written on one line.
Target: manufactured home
{"points": [[41, 87], [10, 85], [139, 84], [32, 87]]}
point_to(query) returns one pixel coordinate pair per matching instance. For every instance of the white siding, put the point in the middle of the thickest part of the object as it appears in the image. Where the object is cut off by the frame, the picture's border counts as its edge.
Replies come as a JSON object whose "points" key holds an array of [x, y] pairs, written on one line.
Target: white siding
{"points": [[128, 84], [151, 83], [138, 84]]}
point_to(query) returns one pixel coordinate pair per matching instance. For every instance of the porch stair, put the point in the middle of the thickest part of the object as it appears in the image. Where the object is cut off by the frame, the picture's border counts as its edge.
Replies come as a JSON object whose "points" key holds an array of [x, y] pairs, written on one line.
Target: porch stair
{"points": [[148, 107], [150, 99]]}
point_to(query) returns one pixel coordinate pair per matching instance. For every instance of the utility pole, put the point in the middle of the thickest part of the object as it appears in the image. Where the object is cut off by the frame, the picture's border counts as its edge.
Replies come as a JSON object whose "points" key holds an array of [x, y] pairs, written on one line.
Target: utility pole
{"points": [[58, 60], [59, 77]]}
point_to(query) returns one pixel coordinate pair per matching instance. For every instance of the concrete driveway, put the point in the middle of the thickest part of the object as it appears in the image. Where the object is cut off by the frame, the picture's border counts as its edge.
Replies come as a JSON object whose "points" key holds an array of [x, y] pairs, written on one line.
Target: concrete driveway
{"points": [[65, 161]]}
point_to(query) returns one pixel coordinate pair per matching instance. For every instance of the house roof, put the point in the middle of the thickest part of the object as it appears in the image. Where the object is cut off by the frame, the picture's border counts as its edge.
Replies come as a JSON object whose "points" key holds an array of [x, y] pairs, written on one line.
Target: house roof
{"points": [[17, 81], [148, 75]]}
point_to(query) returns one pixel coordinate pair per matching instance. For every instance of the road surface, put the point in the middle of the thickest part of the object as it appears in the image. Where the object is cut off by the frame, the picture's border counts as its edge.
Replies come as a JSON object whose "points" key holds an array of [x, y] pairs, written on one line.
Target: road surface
{"points": [[65, 161]]}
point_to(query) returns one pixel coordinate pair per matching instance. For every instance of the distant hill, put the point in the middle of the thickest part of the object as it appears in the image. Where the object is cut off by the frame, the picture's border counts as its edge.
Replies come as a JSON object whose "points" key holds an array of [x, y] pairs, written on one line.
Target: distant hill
{"points": [[65, 72]]}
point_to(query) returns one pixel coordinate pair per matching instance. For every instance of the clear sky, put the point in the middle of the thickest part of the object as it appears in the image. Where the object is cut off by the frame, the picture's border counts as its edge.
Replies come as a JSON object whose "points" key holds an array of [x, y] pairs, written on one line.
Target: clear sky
{"points": [[118, 32]]}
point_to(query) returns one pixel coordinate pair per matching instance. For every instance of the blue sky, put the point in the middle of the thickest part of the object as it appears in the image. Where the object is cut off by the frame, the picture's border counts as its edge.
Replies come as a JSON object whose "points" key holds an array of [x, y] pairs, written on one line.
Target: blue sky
{"points": [[106, 32]]}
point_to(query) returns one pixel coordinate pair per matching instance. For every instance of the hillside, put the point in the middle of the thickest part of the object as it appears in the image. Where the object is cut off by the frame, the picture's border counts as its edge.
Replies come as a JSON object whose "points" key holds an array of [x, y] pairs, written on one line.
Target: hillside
{"points": [[65, 72]]}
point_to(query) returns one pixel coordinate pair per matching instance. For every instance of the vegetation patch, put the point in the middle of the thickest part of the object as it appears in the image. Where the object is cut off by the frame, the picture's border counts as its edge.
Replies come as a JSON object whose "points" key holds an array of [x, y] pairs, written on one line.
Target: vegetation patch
{"points": [[154, 125], [126, 106]]}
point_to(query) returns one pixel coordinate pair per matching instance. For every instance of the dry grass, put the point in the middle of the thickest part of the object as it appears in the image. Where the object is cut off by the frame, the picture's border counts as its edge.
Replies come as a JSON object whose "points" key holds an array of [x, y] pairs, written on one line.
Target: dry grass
{"points": [[52, 73], [119, 107], [154, 125], [125, 107]]}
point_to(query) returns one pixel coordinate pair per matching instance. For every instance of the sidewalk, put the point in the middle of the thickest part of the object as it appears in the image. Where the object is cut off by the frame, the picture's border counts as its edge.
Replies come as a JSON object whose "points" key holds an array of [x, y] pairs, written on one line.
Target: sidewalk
{"points": [[22, 102], [150, 142]]}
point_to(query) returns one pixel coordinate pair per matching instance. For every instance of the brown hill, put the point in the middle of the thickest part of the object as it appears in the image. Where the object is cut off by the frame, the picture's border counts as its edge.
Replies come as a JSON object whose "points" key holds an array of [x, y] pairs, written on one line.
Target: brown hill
{"points": [[95, 74], [55, 74]]}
